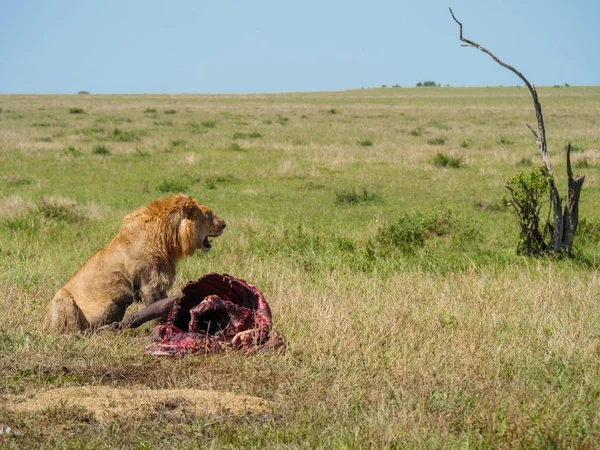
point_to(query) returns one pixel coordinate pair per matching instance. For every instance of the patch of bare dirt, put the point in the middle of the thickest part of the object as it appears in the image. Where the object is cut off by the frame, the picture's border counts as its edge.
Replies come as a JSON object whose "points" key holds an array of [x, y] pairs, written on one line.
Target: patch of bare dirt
{"points": [[107, 402]]}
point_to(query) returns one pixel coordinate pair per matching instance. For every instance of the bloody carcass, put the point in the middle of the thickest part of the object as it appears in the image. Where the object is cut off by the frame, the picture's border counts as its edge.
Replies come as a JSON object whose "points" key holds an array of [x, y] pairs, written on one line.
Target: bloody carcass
{"points": [[214, 313]]}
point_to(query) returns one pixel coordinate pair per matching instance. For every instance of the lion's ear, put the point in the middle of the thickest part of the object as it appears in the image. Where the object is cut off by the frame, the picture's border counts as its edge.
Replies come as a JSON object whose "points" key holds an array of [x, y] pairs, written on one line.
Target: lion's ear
{"points": [[191, 210]]}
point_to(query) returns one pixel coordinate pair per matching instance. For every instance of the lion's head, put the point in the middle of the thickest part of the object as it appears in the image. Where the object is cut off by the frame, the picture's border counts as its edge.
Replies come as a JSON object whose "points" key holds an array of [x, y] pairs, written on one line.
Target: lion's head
{"points": [[206, 224], [178, 225]]}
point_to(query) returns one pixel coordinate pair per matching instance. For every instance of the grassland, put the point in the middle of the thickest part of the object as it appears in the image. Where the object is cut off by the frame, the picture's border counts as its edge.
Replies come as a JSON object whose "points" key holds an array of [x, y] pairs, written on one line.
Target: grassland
{"points": [[410, 320]]}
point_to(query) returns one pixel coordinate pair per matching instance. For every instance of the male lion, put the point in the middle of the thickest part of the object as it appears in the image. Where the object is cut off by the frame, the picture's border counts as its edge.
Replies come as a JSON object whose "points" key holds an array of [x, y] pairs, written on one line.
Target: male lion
{"points": [[138, 264]]}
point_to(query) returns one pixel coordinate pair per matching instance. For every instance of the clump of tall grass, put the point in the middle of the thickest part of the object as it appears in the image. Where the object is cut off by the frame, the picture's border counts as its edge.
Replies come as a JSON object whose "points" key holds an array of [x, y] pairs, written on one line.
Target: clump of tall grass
{"points": [[72, 151], [437, 141], [251, 135], [119, 135], [354, 197], [172, 186], [178, 143], [209, 123], [443, 160], [101, 150]]}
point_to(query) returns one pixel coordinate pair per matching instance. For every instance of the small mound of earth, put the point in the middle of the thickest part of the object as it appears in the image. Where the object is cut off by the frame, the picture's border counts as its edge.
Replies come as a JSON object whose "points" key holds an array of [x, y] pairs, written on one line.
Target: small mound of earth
{"points": [[107, 402]]}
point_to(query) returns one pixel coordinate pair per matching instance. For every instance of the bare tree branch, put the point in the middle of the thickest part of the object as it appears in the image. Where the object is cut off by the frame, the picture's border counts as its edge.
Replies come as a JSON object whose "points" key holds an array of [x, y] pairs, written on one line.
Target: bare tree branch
{"points": [[559, 241]]}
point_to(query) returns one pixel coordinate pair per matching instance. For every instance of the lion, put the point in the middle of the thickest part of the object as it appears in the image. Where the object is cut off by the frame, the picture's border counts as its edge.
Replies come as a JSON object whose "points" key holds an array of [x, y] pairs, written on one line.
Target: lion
{"points": [[138, 264]]}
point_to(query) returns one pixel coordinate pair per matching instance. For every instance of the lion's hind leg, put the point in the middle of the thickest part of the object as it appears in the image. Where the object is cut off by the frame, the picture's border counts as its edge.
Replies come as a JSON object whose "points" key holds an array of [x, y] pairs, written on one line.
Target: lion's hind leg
{"points": [[64, 315]]}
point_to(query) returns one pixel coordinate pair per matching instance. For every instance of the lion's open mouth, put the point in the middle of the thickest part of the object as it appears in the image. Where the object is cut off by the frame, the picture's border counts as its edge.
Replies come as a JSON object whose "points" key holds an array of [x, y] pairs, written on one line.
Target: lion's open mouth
{"points": [[206, 245]]}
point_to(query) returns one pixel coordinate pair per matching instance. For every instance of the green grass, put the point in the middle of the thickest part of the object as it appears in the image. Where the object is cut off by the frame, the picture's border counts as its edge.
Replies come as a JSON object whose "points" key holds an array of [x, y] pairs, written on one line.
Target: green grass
{"points": [[410, 321]]}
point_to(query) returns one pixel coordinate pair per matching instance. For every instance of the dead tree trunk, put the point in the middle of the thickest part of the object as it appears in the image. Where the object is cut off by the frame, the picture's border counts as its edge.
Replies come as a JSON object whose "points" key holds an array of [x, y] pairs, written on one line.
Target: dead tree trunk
{"points": [[564, 223]]}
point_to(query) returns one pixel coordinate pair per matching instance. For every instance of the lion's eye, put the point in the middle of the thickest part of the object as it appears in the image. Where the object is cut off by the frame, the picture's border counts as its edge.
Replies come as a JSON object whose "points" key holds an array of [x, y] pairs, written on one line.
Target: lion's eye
{"points": [[209, 214]]}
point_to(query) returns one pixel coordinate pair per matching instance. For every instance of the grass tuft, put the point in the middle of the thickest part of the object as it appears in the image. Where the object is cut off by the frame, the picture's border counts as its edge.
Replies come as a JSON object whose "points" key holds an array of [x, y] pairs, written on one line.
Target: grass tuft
{"points": [[437, 141], [100, 150], [354, 197], [172, 186], [443, 160]]}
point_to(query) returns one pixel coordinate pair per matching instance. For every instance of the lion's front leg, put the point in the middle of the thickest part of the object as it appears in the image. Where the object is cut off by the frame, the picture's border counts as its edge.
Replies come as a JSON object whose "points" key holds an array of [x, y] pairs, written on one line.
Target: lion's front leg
{"points": [[151, 294]]}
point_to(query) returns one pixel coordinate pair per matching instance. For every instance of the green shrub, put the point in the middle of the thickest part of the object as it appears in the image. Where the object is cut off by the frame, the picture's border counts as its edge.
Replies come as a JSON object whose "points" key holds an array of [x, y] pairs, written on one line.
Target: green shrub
{"points": [[505, 141], [416, 132], [236, 147], [150, 110], [76, 111], [366, 142], [410, 231], [529, 193], [170, 111]]}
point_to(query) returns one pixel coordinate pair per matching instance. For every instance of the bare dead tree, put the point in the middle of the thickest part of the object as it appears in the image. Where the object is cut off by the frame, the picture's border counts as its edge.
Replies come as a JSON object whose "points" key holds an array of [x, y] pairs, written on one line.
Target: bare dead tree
{"points": [[565, 222]]}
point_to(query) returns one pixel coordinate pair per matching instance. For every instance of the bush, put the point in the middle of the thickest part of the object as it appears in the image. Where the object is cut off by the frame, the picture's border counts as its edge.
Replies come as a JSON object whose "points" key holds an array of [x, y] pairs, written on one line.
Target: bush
{"points": [[529, 192], [366, 142], [150, 110], [409, 232], [428, 84], [76, 111]]}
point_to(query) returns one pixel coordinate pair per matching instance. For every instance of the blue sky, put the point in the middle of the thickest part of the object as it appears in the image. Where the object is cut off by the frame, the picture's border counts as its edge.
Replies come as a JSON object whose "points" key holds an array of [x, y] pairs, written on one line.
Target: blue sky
{"points": [[249, 46]]}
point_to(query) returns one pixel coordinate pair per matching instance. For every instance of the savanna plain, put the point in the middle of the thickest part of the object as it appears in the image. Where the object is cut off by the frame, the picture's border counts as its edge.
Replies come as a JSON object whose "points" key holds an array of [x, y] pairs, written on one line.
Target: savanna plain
{"points": [[374, 223]]}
